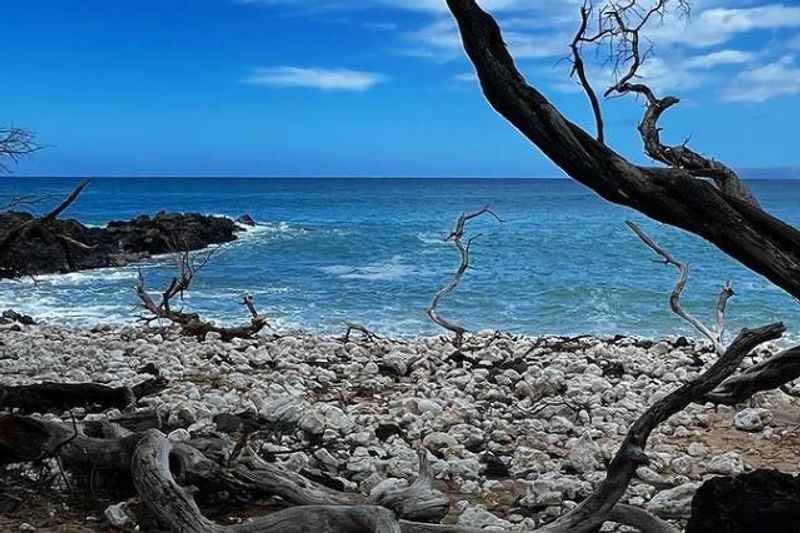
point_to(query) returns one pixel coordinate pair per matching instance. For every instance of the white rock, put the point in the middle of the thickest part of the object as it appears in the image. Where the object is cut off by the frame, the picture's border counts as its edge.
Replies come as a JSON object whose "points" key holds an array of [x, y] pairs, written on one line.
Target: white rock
{"points": [[674, 503], [697, 449], [438, 441], [119, 516], [727, 464], [560, 425], [479, 517], [585, 455], [751, 419]]}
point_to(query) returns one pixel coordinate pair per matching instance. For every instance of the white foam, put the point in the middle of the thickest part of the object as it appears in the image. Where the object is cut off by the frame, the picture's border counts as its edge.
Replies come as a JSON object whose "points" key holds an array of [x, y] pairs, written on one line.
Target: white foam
{"points": [[392, 269], [75, 278], [430, 237]]}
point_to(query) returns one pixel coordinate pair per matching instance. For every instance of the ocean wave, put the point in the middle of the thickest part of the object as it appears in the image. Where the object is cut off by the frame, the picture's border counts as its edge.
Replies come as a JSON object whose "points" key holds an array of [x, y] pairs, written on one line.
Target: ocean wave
{"points": [[82, 277], [431, 237], [233, 295], [393, 269]]}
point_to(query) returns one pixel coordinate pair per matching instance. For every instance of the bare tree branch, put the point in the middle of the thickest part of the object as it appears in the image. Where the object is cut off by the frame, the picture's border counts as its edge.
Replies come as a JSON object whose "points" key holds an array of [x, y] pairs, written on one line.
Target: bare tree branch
{"points": [[457, 236], [675, 299], [673, 195], [15, 143], [188, 265], [596, 509], [771, 373], [579, 69]]}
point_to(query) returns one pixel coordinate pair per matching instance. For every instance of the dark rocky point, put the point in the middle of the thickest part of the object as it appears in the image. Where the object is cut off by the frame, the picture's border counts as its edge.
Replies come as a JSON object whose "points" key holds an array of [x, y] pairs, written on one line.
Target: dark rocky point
{"points": [[118, 244]]}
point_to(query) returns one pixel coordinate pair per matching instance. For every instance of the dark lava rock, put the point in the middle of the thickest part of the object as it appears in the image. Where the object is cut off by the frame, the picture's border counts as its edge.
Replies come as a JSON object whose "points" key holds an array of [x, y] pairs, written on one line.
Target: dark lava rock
{"points": [[493, 467], [10, 316], [759, 501], [119, 243], [384, 431], [246, 220]]}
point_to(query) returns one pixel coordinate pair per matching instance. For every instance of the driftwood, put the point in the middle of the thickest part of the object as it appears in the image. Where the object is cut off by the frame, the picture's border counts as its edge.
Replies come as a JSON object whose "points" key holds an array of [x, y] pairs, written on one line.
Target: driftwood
{"points": [[366, 333], [457, 236], [678, 194], [192, 324], [60, 397], [712, 334], [771, 373]]}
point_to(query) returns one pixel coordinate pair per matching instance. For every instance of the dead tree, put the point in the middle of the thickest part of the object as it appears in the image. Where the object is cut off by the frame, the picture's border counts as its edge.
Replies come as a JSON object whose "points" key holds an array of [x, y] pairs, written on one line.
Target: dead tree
{"points": [[721, 211], [457, 236], [192, 324], [14, 144], [712, 334], [44, 228]]}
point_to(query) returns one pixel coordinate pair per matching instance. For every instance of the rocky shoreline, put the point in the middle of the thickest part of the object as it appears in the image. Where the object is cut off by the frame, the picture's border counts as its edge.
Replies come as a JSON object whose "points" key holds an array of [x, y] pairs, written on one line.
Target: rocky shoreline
{"points": [[519, 431], [117, 244]]}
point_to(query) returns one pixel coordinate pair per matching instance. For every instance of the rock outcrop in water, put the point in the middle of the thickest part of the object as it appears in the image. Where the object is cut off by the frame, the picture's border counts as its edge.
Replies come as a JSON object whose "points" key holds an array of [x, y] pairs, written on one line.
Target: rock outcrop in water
{"points": [[118, 244]]}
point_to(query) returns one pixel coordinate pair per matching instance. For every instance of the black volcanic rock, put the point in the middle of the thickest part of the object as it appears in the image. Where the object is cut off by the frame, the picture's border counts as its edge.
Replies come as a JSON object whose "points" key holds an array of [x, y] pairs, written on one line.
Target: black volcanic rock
{"points": [[119, 243], [759, 501]]}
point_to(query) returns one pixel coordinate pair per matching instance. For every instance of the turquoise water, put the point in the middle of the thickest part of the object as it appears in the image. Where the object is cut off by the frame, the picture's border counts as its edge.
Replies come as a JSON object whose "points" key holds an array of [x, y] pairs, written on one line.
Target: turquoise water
{"points": [[370, 250]]}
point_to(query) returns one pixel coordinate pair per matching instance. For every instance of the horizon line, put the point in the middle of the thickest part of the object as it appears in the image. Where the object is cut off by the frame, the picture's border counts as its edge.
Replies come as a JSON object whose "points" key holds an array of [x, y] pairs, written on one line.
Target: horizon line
{"points": [[794, 175]]}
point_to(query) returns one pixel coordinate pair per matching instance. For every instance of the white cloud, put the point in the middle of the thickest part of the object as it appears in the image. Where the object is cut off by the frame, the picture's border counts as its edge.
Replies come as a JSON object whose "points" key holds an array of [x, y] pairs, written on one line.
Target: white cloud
{"points": [[722, 57], [379, 26], [430, 6], [440, 39], [315, 78], [466, 77], [780, 78], [440, 6], [720, 24]]}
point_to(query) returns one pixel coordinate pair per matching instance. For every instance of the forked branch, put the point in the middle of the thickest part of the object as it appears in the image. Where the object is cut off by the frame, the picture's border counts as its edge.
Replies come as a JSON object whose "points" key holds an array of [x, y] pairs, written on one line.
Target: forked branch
{"points": [[713, 335], [14, 144], [579, 69], [188, 266], [457, 236]]}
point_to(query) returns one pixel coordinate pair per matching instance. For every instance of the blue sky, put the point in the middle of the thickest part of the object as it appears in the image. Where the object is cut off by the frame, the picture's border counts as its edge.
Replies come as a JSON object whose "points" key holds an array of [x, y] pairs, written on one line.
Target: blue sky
{"points": [[364, 87]]}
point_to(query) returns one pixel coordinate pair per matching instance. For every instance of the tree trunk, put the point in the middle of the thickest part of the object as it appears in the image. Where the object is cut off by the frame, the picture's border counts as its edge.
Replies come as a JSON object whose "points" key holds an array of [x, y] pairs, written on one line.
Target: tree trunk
{"points": [[739, 228]]}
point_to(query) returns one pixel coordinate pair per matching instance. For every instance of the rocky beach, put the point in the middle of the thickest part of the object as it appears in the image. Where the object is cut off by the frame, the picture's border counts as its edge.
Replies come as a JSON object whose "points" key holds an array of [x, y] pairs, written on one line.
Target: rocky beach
{"points": [[518, 429]]}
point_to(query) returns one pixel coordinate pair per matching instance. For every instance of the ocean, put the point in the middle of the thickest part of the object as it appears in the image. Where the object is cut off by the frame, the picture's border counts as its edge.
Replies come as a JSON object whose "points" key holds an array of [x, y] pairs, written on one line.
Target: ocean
{"points": [[371, 251]]}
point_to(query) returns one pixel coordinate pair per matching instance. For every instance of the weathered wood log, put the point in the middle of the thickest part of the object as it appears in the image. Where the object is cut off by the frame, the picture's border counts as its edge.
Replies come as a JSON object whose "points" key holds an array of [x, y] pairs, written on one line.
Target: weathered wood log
{"points": [[107, 446], [25, 439], [419, 501], [174, 506], [59, 397], [769, 374]]}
